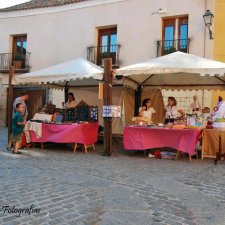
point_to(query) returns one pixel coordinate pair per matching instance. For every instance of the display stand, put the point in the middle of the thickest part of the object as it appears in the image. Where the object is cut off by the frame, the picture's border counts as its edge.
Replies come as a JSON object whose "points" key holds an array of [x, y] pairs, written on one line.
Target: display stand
{"points": [[84, 113], [213, 145], [219, 155]]}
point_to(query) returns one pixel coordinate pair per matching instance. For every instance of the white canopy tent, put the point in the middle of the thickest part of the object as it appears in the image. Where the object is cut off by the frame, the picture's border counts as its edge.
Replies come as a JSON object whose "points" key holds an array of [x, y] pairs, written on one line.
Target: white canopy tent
{"points": [[176, 71], [80, 77], [76, 72]]}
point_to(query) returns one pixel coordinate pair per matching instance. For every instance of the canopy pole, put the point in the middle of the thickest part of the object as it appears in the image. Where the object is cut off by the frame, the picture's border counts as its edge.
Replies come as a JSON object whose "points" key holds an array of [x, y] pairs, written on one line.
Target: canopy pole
{"points": [[137, 97], [107, 100], [203, 98], [66, 91], [218, 78], [10, 101], [137, 101]]}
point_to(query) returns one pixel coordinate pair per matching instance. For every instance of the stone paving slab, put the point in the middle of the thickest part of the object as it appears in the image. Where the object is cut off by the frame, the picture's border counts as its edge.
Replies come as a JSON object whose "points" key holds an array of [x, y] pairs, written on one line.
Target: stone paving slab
{"points": [[91, 189]]}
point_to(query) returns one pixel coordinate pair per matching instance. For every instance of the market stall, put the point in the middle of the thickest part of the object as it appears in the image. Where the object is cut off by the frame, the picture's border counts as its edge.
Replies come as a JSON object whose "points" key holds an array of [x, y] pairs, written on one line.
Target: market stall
{"points": [[84, 133], [79, 124], [178, 71], [82, 78], [144, 137]]}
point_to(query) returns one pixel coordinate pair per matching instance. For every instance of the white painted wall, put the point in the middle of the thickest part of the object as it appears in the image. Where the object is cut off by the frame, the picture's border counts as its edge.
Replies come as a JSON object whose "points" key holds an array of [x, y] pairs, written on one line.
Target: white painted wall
{"points": [[57, 34], [54, 37]]}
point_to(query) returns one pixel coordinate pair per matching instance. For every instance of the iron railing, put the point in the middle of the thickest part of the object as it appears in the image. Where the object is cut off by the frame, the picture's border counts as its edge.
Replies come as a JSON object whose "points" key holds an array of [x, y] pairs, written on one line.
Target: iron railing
{"points": [[20, 61], [165, 47], [96, 54]]}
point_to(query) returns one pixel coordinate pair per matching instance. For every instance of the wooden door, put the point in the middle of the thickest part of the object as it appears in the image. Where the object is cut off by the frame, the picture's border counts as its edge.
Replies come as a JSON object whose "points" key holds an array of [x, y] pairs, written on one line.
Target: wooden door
{"points": [[107, 45]]}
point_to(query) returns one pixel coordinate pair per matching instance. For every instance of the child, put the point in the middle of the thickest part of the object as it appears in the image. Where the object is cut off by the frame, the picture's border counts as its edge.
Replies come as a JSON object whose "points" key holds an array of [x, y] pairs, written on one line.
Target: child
{"points": [[17, 127]]}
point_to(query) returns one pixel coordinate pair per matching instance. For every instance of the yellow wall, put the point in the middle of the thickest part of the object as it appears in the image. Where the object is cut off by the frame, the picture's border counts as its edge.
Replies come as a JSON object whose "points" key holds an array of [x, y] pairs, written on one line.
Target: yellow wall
{"points": [[219, 30], [219, 41], [215, 95]]}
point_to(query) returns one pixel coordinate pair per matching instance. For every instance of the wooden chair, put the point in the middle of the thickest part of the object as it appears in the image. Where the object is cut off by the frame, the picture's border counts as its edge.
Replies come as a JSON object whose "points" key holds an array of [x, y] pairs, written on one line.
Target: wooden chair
{"points": [[85, 147]]}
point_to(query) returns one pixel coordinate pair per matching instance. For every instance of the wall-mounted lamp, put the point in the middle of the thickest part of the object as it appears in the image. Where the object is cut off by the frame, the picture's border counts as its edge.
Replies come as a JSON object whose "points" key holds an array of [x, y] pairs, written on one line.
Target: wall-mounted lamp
{"points": [[208, 18], [160, 11]]}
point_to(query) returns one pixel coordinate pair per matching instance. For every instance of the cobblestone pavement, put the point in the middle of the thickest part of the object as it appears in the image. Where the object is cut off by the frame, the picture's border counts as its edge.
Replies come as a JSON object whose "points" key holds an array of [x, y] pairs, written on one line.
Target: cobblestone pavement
{"points": [[91, 189]]}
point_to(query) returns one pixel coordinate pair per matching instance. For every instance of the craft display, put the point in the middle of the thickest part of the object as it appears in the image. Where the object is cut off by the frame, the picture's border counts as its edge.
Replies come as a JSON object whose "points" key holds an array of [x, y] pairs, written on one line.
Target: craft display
{"points": [[111, 111], [70, 115], [42, 117], [94, 113], [82, 113]]}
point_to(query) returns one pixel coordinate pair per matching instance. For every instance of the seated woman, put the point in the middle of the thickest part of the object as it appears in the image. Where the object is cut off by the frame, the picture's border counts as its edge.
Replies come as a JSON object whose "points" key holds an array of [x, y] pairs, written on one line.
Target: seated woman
{"points": [[71, 101], [172, 111], [146, 110]]}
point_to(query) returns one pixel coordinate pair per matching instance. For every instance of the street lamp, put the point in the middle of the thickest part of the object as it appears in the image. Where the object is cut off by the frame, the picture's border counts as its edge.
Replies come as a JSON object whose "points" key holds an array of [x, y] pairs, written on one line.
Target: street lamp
{"points": [[208, 18]]}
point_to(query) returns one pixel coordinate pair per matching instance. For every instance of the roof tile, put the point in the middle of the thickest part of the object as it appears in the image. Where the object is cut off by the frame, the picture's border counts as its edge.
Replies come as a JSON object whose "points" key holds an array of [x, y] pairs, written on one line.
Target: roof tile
{"points": [[34, 4]]}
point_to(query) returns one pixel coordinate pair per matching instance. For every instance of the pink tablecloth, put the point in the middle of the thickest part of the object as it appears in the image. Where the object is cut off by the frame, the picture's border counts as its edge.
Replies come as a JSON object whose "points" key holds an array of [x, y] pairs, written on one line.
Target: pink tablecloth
{"points": [[142, 138], [67, 133]]}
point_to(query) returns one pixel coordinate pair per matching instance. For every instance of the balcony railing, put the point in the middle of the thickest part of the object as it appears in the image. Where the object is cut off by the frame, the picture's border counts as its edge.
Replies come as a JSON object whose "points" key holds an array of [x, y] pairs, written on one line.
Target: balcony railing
{"points": [[165, 47], [96, 54], [19, 61]]}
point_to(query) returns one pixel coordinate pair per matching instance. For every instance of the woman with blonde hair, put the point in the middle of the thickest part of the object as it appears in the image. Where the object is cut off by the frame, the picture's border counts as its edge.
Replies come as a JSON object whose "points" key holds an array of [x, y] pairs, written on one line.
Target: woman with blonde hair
{"points": [[172, 111]]}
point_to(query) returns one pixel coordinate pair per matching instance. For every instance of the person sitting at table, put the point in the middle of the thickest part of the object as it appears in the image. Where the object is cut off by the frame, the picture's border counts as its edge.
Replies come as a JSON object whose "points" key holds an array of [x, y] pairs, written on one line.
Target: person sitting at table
{"points": [[146, 110], [172, 111], [71, 101]]}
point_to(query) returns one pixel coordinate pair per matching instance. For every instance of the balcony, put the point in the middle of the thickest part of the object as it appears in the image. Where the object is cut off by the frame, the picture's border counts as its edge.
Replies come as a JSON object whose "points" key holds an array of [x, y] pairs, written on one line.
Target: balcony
{"points": [[19, 61], [98, 53], [165, 47]]}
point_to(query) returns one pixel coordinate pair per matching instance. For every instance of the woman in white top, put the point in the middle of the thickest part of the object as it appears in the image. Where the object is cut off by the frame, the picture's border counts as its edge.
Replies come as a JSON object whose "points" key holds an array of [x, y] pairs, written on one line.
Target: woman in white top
{"points": [[172, 111], [146, 110], [71, 101]]}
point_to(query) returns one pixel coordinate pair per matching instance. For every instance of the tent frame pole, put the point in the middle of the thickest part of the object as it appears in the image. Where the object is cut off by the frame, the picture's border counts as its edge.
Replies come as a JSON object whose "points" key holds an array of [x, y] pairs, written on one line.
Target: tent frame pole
{"points": [[218, 78], [137, 96], [137, 100], [66, 88], [147, 79], [10, 101]]}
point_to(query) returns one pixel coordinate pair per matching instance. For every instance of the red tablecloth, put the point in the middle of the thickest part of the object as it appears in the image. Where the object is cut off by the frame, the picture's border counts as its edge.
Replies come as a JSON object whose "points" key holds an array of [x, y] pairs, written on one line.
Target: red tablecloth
{"points": [[67, 133], [142, 138]]}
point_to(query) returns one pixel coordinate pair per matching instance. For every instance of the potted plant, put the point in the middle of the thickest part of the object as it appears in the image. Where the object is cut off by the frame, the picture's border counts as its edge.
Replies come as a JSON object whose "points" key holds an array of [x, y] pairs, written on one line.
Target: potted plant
{"points": [[17, 61]]}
